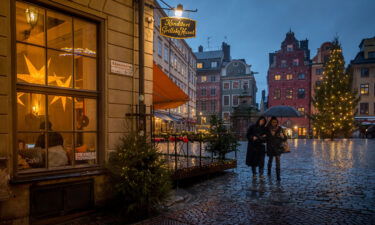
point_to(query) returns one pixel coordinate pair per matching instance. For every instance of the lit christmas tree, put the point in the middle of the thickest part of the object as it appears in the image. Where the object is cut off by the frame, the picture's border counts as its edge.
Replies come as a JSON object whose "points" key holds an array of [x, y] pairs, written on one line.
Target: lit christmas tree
{"points": [[334, 98]]}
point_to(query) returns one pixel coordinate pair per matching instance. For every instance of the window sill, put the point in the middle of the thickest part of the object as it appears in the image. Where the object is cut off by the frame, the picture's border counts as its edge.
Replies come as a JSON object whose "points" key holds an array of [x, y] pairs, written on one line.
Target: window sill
{"points": [[28, 177]]}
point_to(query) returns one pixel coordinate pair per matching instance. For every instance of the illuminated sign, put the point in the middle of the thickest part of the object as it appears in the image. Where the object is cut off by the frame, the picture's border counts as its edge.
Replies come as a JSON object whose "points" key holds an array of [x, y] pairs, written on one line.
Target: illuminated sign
{"points": [[178, 28]]}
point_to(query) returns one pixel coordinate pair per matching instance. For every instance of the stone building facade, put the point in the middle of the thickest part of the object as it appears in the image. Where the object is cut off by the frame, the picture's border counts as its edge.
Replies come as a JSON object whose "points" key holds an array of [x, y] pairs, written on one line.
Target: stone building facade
{"points": [[317, 69], [363, 69], [69, 73], [289, 81], [177, 60], [209, 64], [237, 80]]}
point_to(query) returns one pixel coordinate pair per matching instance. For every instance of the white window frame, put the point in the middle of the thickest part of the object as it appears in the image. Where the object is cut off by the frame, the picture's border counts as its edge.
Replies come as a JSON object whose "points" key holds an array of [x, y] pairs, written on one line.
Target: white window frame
{"points": [[239, 84], [214, 64], [226, 82], [224, 100]]}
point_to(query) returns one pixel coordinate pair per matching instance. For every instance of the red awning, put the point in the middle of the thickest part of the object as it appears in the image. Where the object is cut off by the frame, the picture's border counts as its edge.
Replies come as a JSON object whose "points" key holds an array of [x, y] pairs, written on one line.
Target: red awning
{"points": [[166, 94]]}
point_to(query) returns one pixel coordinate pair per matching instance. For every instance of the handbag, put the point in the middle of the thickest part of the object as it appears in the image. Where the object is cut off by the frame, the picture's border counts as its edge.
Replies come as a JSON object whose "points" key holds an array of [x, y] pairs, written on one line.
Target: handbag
{"points": [[285, 147]]}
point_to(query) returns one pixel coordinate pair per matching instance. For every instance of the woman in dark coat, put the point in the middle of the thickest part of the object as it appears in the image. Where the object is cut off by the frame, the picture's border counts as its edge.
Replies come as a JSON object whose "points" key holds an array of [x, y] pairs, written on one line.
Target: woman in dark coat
{"points": [[275, 138], [256, 135]]}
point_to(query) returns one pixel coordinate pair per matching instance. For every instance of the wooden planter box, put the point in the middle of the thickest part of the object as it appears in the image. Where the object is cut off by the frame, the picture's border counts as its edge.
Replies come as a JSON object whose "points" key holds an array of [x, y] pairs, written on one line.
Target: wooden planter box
{"points": [[213, 167]]}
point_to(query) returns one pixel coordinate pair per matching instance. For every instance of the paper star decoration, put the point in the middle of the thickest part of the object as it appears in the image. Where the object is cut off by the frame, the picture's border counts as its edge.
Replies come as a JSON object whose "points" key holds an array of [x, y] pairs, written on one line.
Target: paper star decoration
{"points": [[19, 95], [65, 84], [36, 76]]}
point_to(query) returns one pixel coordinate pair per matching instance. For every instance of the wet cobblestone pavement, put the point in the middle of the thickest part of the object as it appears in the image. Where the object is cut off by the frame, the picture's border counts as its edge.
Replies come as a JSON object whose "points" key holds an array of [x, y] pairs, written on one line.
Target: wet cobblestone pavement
{"points": [[323, 182]]}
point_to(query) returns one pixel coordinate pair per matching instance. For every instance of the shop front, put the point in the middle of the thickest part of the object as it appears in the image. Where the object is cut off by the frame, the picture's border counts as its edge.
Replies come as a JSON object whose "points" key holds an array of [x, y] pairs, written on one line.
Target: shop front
{"points": [[68, 76]]}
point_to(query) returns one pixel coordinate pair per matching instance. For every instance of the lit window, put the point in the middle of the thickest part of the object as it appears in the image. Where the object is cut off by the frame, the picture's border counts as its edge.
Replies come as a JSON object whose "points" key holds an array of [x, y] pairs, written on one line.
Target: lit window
{"points": [[301, 110], [226, 85], [364, 89], [56, 120], [199, 65], [289, 76], [302, 131], [203, 78], [277, 77], [289, 93], [235, 85]]}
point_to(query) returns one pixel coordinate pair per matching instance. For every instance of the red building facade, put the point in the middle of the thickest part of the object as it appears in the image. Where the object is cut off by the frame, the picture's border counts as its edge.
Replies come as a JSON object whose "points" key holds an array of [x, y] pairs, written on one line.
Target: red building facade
{"points": [[289, 82]]}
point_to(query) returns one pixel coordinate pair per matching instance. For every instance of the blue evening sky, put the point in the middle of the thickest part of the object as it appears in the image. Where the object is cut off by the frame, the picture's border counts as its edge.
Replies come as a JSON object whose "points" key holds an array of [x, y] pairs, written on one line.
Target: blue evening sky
{"points": [[255, 28]]}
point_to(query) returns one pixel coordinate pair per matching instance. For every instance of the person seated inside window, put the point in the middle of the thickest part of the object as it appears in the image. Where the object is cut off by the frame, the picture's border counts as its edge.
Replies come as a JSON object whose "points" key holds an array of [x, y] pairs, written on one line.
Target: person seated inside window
{"points": [[54, 138]]}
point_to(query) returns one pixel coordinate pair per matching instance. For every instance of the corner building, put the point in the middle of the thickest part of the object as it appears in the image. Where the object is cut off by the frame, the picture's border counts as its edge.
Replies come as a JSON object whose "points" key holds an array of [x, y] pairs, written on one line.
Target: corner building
{"points": [[289, 82], [69, 73]]}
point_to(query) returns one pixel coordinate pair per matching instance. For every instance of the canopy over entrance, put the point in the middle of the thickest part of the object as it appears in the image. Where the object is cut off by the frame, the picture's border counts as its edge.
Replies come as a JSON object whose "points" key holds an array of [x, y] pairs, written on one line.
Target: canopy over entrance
{"points": [[167, 94]]}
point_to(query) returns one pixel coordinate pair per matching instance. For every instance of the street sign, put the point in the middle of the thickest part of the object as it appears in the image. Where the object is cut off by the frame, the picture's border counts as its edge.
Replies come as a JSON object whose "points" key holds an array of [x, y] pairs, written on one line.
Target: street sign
{"points": [[121, 68], [178, 28]]}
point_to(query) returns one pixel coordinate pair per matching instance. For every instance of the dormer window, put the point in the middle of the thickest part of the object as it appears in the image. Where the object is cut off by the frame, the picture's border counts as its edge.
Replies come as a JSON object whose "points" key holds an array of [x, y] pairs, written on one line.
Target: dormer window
{"points": [[289, 48]]}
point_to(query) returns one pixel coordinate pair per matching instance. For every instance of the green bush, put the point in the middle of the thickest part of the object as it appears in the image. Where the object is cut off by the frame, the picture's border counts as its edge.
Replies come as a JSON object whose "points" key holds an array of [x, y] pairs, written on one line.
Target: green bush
{"points": [[141, 179]]}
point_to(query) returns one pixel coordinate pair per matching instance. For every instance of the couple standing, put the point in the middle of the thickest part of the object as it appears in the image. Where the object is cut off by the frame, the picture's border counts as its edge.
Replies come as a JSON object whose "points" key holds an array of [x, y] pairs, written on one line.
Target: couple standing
{"points": [[258, 135]]}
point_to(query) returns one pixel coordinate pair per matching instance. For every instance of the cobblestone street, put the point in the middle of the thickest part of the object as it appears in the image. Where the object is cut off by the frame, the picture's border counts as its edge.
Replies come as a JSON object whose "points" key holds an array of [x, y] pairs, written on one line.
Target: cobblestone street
{"points": [[323, 182]]}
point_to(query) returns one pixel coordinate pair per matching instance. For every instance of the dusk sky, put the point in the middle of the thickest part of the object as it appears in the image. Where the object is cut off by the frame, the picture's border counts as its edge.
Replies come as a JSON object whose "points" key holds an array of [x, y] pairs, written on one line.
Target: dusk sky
{"points": [[255, 28]]}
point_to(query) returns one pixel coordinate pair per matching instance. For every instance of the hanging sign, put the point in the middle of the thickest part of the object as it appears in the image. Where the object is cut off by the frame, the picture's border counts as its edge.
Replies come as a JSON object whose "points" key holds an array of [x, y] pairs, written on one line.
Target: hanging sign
{"points": [[178, 28]]}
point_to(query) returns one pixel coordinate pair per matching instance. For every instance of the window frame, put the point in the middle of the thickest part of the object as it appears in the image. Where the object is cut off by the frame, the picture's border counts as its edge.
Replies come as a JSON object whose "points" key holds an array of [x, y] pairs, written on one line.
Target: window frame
{"points": [[239, 85], [364, 87], [199, 65], [226, 82], [228, 105], [98, 94], [238, 100], [360, 108]]}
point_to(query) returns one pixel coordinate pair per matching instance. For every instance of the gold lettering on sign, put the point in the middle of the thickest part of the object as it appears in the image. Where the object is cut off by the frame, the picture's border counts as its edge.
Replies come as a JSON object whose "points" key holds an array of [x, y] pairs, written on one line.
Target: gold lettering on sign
{"points": [[177, 27]]}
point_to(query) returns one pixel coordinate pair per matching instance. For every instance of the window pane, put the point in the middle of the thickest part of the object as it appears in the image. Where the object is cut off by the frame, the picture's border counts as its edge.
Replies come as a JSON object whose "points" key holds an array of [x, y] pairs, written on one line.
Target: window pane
{"points": [[31, 111], [60, 112], [84, 38], [60, 149], [85, 114], [30, 24], [85, 72], [29, 155], [60, 69], [30, 64], [85, 151], [59, 31]]}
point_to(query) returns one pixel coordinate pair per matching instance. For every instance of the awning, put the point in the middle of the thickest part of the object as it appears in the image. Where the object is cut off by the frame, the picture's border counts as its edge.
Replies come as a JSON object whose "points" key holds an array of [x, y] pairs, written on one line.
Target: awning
{"points": [[162, 116], [166, 94]]}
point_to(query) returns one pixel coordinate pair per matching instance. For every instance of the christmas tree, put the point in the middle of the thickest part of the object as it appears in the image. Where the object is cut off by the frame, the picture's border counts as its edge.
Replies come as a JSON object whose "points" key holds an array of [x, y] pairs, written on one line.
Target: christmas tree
{"points": [[334, 98]]}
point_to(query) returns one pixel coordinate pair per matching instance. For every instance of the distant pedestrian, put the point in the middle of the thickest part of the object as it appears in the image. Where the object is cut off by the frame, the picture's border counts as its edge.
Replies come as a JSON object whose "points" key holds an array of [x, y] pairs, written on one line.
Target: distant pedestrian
{"points": [[256, 150], [275, 139]]}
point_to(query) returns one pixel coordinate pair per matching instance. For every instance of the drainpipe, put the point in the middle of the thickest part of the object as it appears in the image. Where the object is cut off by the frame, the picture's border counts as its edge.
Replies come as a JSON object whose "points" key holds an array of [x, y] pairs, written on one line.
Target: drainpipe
{"points": [[141, 36]]}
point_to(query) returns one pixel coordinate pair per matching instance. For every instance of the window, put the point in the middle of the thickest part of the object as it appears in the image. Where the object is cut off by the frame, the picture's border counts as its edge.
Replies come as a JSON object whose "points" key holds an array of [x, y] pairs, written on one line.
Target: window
{"points": [[319, 71], [235, 85], [203, 120], [226, 100], [364, 89], [363, 108], [301, 110], [203, 91], [213, 105], [166, 53], [295, 62], [234, 100], [213, 64], [289, 93], [203, 79], [203, 106], [289, 76], [276, 94], [57, 119], [160, 48], [301, 93], [277, 77], [245, 84], [301, 76], [365, 72], [213, 91], [283, 64], [371, 55], [302, 131], [226, 85], [199, 65], [226, 116], [213, 78], [289, 48]]}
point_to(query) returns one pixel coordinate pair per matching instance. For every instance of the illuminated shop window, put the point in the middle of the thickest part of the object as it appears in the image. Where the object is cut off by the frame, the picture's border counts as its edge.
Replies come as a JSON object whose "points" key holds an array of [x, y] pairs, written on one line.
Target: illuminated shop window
{"points": [[57, 105]]}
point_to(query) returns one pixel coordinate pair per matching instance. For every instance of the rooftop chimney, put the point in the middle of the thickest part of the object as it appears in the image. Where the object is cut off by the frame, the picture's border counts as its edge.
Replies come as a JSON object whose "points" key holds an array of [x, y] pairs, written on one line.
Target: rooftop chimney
{"points": [[200, 48], [226, 49]]}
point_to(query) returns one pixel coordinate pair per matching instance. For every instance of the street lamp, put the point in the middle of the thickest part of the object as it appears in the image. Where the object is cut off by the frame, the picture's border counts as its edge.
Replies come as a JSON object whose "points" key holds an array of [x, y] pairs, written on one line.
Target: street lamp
{"points": [[178, 10]]}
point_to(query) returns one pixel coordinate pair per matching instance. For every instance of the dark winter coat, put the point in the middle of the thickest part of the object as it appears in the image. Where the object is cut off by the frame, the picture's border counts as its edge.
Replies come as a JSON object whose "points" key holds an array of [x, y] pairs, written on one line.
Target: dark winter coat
{"points": [[274, 142], [255, 149]]}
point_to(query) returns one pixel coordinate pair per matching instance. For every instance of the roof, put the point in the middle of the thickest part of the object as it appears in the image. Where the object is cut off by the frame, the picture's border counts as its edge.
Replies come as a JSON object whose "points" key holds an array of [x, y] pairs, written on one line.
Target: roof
{"points": [[360, 59], [209, 54]]}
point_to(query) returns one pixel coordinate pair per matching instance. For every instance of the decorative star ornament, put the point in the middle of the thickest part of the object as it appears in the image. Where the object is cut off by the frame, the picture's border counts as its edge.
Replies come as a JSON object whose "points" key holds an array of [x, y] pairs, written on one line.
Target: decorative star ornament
{"points": [[36, 76], [19, 95], [65, 84]]}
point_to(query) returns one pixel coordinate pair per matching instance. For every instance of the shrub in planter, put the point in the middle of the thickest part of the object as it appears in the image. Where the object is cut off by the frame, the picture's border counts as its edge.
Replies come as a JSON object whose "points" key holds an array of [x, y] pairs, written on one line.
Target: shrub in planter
{"points": [[141, 179], [221, 141]]}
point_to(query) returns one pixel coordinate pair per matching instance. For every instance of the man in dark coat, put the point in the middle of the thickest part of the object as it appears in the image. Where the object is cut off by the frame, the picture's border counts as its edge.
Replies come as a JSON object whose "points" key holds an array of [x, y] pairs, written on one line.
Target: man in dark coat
{"points": [[256, 135]]}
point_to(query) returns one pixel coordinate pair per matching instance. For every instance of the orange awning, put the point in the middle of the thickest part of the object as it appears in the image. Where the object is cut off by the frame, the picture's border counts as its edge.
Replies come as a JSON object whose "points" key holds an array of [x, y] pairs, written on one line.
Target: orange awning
{"points": [[167, 94]]}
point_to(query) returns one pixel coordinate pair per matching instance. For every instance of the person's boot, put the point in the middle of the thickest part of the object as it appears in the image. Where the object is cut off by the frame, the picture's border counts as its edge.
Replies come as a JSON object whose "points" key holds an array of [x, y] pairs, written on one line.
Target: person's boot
{"points": [[278, 174]]}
